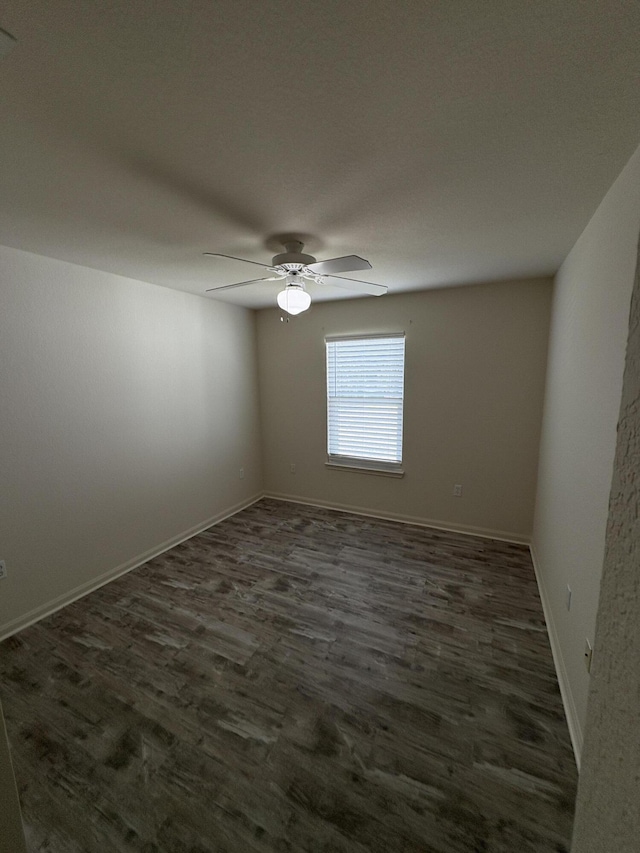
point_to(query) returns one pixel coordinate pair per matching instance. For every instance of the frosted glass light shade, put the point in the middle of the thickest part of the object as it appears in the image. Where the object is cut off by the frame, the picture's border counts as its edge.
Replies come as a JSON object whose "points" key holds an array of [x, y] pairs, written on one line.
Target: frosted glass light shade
{"points": [[293, 299]]}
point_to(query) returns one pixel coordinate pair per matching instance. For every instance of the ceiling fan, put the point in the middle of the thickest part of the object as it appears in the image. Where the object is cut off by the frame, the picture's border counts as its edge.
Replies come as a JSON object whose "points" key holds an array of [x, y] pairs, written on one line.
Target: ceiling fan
{"points": [[295, 269]]}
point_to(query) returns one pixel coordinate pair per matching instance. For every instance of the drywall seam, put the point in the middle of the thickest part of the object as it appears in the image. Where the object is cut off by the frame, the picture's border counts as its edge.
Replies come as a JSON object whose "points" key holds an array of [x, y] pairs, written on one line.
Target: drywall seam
{"points": [[467, 530], [66, 598], [570, 711]]}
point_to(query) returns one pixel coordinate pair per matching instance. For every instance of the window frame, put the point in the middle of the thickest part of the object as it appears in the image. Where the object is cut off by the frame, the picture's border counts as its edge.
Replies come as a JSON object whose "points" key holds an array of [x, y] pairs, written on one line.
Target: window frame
{"points": [[356, 463]]}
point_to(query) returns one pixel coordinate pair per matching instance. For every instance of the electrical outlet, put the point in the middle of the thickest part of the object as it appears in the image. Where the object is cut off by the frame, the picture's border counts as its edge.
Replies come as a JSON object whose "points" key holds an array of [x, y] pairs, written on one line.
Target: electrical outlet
{"points": [[588, 654], [457, 491], [3, 569], [292, 468], [568, 597], [242, 473]]}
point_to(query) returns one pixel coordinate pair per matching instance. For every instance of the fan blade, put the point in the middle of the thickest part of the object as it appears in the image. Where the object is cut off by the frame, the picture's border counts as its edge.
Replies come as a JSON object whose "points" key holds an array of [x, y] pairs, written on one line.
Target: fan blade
{"points": [[241, 284], [360, 286], [349, 263], [232, 258]]}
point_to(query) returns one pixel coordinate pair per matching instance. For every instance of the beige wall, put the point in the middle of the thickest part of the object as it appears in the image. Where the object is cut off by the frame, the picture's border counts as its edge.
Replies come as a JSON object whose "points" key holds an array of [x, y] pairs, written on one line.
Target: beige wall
{"points": [[127, 412], [586, 359], [475, 365]]}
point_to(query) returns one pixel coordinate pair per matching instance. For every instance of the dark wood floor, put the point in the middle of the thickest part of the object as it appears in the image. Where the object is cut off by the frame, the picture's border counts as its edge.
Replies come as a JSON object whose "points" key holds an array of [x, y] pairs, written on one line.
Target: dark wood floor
{"points": [[296, 679]]}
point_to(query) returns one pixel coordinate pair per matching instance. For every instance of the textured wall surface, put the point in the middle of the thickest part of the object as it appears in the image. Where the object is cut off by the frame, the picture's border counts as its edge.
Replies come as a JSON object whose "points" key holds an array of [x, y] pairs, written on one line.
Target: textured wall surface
{"points": [[608, 805]]}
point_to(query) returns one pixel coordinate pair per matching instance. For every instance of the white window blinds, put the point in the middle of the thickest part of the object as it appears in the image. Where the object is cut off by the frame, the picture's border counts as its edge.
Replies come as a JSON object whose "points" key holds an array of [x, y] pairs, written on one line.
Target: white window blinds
{"points": [[365, 390]]}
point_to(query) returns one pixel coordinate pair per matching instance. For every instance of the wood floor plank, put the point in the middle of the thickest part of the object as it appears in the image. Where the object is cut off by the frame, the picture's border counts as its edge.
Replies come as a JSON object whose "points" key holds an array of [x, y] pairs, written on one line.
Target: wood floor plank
{"points": [[296, 679]]}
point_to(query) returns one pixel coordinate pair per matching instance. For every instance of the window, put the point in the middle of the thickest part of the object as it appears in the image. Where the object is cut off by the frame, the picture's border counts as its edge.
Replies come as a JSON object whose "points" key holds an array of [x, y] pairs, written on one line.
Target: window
{"points": [[365, 392]]}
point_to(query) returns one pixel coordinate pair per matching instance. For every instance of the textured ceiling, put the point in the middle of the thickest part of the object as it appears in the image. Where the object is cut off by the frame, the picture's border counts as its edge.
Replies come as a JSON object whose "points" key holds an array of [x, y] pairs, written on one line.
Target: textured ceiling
{"points": [[447, 142]]}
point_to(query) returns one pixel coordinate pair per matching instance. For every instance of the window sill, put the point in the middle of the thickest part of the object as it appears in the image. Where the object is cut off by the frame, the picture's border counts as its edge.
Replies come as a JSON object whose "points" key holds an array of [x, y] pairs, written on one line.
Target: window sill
{"points": [[365, 469]]}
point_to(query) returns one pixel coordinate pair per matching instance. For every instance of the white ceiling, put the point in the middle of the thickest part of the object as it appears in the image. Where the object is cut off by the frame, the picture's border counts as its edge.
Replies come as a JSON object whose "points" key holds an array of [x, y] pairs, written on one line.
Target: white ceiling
{"points": [[447, 142]]}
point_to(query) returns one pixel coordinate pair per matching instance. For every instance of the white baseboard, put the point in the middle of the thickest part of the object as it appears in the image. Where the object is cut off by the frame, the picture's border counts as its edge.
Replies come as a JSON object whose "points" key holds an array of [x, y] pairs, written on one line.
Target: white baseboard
{"points": [[468, 530], [571, 713], [83, 589]]}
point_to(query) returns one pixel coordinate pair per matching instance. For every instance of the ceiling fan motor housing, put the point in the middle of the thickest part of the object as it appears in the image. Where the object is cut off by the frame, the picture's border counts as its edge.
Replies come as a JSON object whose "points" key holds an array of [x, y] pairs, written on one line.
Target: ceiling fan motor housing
{"points": [[293, 255]]}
